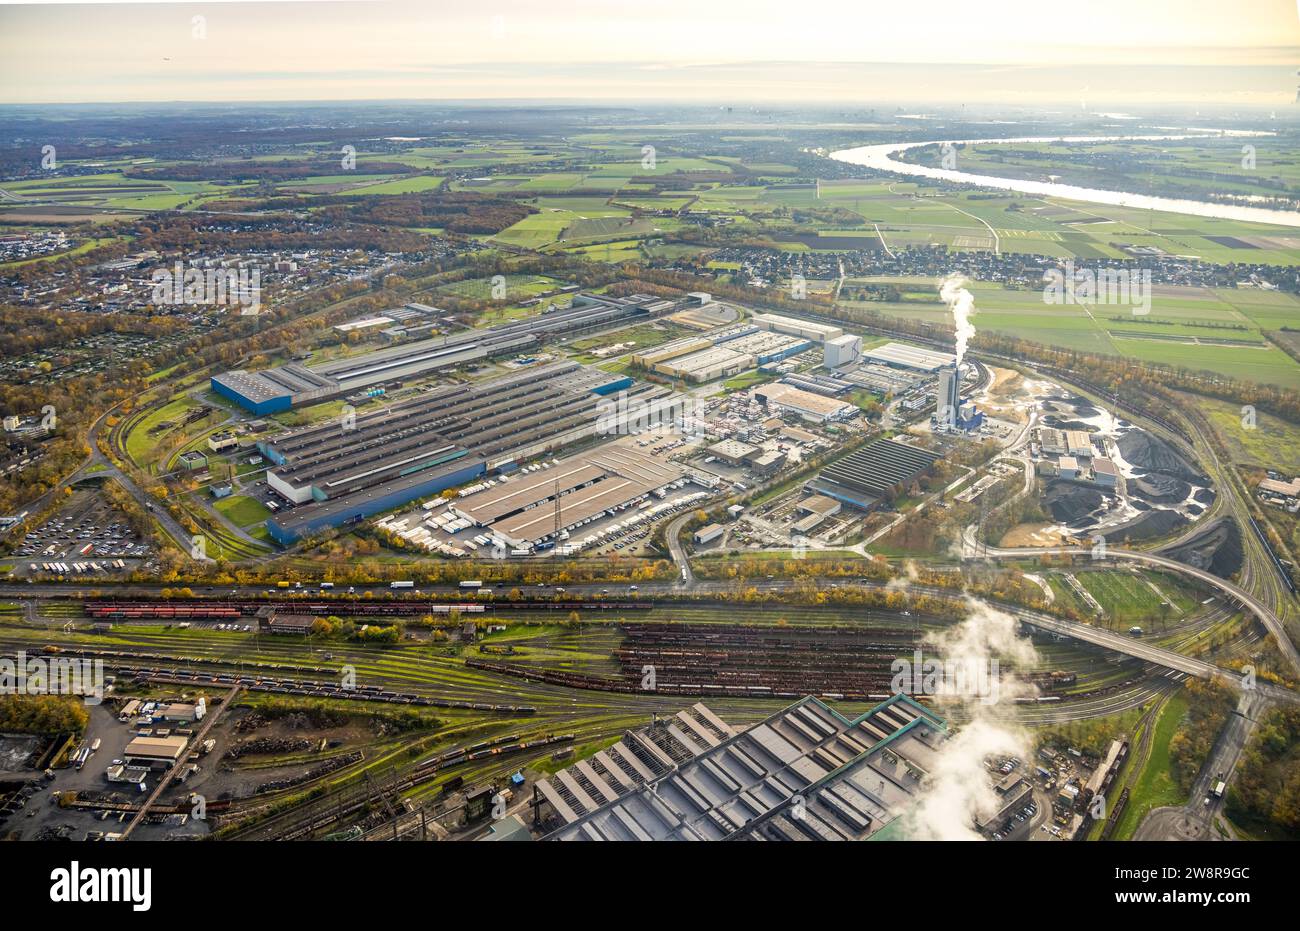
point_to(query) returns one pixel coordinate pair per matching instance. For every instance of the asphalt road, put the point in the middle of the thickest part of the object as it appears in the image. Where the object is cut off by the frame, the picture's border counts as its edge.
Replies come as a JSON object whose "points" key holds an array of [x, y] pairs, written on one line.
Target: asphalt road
{"points": [[1195, 820]]}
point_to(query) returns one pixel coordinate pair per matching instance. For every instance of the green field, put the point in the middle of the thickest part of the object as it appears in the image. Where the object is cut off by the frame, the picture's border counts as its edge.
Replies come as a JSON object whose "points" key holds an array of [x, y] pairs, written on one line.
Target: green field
{"points": [[1155, 786], [1194, 328], [242, 511]]}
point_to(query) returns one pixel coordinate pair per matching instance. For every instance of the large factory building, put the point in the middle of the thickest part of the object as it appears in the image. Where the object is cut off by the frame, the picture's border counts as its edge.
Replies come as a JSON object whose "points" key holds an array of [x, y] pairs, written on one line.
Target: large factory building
{"points": [[806, 772], [336, 472], [278, 389], [866, 477]]}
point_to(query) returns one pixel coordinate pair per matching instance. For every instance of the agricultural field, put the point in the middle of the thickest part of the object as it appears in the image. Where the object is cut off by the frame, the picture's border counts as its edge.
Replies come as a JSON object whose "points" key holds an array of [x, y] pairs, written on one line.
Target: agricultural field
{"points": [[1267, 442], [1217, 330]]}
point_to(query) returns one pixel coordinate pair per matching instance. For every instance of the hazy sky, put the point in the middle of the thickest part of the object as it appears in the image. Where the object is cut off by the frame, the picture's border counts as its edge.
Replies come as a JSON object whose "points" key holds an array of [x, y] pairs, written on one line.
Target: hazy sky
{"points": [[650, 49]]}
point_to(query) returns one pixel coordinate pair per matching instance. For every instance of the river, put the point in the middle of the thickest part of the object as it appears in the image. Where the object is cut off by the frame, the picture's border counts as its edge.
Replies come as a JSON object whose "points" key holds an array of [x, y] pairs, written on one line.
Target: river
{"points": [[878, 157]]}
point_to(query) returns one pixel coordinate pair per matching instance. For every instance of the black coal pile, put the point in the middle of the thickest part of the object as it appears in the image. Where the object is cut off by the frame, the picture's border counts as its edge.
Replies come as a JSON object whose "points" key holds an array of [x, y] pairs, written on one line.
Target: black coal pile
{"points": [[1148, 526], [1160, 488], [1217, 549], [1067, 502], [1152, 454]]}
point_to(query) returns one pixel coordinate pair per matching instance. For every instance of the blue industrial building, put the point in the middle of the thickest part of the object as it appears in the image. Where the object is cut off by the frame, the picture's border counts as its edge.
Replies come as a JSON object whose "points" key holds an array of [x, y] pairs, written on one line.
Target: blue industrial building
{"points": [[290, 527]]}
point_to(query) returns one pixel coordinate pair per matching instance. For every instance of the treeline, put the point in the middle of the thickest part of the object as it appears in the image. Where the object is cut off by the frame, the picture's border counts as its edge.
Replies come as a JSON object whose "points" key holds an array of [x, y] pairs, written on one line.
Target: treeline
{"points": [[455, 211], [1267, 783], [249, 170], [1209, 703], [212, 234], [42, 714], [333, 627]]}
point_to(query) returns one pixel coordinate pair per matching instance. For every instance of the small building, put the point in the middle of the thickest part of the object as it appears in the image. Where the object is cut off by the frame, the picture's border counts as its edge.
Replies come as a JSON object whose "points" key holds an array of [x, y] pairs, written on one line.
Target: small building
{"points": [[509, 828], [733, 452], [1052, 441], [1078, 442], [222, 441], [478, 803], [277, 623], [769, 463], [1066, 798], [132, 775], [1104, 472], [184, 712], [1274, 486], [1068, 467], [841, 350], [798, 434], [709, 533], [193, 460], [224, 490], [808, 524], [824, 505], [154, 751]]}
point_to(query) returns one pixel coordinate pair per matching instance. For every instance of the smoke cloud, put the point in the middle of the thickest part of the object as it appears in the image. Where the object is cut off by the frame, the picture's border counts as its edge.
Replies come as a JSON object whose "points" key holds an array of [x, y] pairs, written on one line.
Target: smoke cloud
{"points": [[901, 583], [961, 304], [957, 793]]}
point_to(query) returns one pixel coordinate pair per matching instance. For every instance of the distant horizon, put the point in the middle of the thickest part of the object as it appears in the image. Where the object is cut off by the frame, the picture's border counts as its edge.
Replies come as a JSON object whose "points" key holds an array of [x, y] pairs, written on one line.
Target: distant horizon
{"points": [[1019, 52]]}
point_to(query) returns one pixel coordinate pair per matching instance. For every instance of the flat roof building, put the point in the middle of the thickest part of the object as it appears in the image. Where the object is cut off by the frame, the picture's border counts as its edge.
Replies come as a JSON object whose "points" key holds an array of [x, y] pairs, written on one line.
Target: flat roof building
{"points": [[794, 326], [901, 355], [804, 773], [1078, 443], [154, 750], [708, 533], [707, 365], [815, 408], [866, 477], [537, 506], [1104, 472], [734, 452]]}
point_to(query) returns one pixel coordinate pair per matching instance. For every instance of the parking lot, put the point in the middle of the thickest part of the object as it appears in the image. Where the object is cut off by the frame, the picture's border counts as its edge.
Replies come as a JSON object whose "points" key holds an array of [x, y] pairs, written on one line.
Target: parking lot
{"points": [[85, 538]]}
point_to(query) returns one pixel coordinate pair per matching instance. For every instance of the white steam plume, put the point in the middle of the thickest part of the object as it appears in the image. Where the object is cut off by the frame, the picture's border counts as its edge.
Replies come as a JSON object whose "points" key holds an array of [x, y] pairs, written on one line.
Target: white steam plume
{"points": [[961, 303], [904, 582], [957, 792]]}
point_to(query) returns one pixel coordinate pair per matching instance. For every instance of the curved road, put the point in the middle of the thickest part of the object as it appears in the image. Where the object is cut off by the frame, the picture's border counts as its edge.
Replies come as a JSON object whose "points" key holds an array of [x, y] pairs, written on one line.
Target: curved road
{"points": [[1266, 616]]}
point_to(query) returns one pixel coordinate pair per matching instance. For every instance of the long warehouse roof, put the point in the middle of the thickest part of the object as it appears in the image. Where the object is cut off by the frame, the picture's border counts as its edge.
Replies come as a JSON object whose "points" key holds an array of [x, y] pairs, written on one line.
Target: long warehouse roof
{"points": [[805, 772]]}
